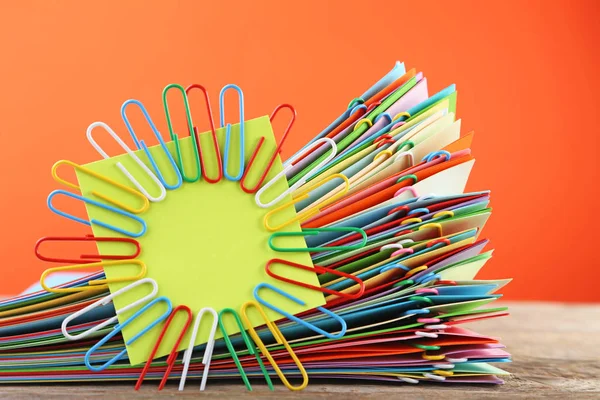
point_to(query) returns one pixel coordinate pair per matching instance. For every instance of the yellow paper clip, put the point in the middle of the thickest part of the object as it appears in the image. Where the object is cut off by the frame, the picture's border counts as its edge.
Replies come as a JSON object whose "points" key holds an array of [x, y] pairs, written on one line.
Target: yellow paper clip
{"points": [[280, 339], [308, 211], [93, 284], [433, 225], [102, 178]]}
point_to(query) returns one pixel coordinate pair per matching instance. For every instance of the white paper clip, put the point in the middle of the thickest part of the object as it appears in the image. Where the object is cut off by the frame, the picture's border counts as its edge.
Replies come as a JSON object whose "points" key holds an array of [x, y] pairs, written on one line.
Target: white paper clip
{"points": [[104, 301], [210, 344], [289, 165], [138, 185]]}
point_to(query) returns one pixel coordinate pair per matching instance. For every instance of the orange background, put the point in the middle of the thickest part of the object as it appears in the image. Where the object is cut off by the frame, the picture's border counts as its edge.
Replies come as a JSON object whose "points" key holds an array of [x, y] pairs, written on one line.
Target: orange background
{"points": [[527, 77]]}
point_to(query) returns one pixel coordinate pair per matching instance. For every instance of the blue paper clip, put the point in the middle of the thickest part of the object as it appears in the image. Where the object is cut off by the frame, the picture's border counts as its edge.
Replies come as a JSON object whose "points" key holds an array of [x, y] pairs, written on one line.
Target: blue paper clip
{"points": [[436, 154], [93, 220], [228, 131], [296, 319], [119, 327], [142, 145]]}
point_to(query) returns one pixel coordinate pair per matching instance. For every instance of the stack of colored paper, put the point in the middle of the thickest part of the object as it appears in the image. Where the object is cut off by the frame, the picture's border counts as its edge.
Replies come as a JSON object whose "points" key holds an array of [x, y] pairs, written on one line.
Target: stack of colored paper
{"points": [[366, 258]]}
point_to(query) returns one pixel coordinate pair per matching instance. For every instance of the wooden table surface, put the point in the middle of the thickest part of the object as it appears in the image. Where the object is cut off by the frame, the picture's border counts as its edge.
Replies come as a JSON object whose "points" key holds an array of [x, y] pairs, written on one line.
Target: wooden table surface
{"points": [[555, 349]]}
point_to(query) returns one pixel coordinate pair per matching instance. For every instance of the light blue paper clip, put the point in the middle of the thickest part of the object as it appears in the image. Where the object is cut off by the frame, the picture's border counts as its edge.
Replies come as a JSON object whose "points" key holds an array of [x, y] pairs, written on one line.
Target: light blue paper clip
{"points": [[435, 154], [93, 220], [142, 145], [117, 328], [296, 319], [228, 131]]}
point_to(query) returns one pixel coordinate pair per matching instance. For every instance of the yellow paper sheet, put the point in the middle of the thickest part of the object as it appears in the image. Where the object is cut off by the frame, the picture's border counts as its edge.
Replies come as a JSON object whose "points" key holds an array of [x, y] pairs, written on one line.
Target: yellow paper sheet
{"points": [[206, 245]]}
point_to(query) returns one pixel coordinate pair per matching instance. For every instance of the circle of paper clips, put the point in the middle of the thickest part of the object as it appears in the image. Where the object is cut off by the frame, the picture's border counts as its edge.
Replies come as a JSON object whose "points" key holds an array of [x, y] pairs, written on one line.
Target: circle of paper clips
{"points": [[299, 189], [86, 261]]}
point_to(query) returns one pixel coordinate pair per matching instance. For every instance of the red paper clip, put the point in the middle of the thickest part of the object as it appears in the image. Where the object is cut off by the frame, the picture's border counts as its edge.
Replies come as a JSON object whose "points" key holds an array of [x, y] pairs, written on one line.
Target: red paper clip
{"points": [[432, 243], [214, 137], [275, 153], [173, 355], [383, 140], [86, 258], [319, 270]]}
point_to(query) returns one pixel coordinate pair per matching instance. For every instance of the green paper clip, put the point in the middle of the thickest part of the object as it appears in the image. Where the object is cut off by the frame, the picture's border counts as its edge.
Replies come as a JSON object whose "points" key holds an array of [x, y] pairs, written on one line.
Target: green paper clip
{"points": [[249, 345], [314, 232], [175, 137]]}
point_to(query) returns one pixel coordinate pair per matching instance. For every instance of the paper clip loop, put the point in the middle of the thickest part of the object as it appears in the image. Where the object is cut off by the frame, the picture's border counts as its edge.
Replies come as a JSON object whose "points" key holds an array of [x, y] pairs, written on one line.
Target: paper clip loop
{"points": [[275, 153], [119, 327], [93, 284], [138, 185], [96, 193], [228, 131], [104, 301], [296, 319], [173, 355], [93, 220], [315, 232], [280, 339], [86, 258], [249, 346], [208, 351], [142, 145], [289, 165], [213, 133], [309, 211], [174, 136], [319, 270]]}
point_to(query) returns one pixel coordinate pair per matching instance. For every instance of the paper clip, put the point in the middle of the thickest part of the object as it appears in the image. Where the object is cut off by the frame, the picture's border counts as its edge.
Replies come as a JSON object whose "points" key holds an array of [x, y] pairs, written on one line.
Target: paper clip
{"points": [[315, 232], [119, 327], [93, 284], [174, 136], [296, 319], [173, 355], [142, 145], [319, 270], [86, 258], [308, 211], [100, 195], [138, 185], [104, 301], [279, 339], [208, 351], [433, 225], [93, 220], [275, 153], [289, 165], [228, 131], [249, 346], [213, 136]]}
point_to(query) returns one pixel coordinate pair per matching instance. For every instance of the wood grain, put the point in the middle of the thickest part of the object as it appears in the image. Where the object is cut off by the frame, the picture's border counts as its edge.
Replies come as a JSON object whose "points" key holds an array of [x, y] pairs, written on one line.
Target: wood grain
{"points": [[555, 348]]}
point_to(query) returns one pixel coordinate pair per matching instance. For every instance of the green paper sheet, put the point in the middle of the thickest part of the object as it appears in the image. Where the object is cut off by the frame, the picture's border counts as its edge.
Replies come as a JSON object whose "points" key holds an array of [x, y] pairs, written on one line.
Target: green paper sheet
{"points": [[206, 245]]}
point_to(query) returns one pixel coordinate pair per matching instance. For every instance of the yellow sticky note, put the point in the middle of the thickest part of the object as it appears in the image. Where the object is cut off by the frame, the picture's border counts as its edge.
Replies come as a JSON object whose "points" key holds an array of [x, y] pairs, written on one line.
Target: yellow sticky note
{"points": [[205, 245]]}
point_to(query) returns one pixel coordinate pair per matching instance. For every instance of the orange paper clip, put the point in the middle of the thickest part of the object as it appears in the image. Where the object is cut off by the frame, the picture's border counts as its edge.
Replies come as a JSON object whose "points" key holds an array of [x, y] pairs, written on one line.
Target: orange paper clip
{"points": [[173, 355], [279, 338], [275, 153]]}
